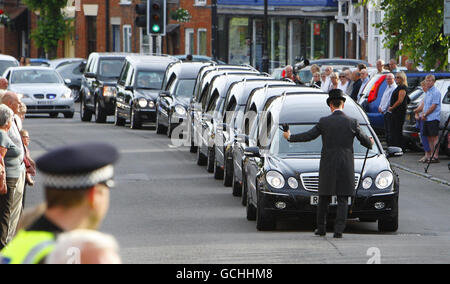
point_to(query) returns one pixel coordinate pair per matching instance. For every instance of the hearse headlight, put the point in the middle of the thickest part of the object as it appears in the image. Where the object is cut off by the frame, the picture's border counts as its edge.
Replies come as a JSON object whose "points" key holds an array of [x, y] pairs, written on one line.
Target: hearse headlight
{"points": [[151, 104], [180, 110], [367, 183], [384, 180], [293, 183], [143, 103], [275, 180]]}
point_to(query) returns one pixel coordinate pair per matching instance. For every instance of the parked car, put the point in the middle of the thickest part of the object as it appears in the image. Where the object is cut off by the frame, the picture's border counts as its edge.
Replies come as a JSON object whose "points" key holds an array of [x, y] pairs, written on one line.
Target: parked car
{"points": [[410, 131], [6, 62], [232, 118], [254, 109], [98, 86], [200, 58], [211, 117], [372, 94], [178, 90], [197, 104], [282, 178], [71, 69], [43, 89], [138, 87]]}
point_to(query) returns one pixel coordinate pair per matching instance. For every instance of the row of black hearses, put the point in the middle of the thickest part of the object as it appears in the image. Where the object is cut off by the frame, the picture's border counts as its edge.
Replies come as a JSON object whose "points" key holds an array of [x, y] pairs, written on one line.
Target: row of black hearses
{"points": [[230, 116]]}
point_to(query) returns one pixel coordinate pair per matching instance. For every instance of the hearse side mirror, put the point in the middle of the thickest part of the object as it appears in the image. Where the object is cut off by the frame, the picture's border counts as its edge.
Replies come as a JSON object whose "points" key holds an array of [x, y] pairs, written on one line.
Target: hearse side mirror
{"points": [[67, 81], [394, 152], [90, 75], [242, 138], [252, 152], [129, 88]]}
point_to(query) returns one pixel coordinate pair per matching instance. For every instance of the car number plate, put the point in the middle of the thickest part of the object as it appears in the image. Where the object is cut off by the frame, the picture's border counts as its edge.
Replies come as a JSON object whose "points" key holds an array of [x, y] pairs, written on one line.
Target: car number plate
{"points": [[45, 102], [334, 202]]}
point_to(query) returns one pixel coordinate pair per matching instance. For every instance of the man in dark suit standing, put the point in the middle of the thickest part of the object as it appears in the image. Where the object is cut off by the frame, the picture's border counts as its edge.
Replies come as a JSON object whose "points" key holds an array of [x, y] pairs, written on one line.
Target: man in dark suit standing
{"points": [[337, 168], [356, 85]]}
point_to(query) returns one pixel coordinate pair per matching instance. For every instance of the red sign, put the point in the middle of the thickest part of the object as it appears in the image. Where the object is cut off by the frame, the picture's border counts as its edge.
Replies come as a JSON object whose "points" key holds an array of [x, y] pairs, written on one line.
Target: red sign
{"points": [[316, 29]]}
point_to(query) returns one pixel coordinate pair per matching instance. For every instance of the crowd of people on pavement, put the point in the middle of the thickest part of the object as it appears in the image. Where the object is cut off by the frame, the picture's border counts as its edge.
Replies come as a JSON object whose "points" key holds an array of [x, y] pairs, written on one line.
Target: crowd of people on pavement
{"points": [[394, 100], [69, 217]]}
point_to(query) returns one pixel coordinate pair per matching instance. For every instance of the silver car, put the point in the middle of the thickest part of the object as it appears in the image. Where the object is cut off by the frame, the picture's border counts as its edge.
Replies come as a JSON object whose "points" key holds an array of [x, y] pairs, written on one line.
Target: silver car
{"points": [[43, 89]]}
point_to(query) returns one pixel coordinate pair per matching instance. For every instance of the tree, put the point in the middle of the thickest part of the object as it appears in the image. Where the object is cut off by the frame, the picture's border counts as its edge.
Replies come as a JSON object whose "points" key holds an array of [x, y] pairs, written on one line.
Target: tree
{"points": [[418, 27], [52, 26]]}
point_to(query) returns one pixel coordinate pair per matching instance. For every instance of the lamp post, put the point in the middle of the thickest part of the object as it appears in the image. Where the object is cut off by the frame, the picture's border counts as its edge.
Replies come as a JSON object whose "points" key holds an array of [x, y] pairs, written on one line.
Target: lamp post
{"points": [[265, 59]]}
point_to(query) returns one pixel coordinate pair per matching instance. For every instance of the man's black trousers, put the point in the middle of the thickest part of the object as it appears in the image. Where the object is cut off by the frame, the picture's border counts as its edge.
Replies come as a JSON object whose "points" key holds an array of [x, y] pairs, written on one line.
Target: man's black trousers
{"points": [[341, 214]]}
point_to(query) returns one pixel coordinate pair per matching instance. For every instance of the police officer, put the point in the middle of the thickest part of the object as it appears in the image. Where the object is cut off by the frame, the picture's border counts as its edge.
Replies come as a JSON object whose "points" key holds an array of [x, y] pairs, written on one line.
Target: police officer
{"points": [[337, 170], [77, 180]]}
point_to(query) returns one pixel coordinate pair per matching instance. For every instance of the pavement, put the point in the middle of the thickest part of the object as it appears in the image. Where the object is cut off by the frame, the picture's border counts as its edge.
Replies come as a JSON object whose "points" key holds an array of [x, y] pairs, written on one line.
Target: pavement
{"points": [[436, 172]]}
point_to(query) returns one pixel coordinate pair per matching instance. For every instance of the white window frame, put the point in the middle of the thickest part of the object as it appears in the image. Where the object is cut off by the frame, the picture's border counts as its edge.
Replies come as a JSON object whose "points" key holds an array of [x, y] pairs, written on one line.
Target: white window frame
{"points": [[200, 2], [127, 31], [187, 44], [125, 2], [149, 45], [198, 41]]}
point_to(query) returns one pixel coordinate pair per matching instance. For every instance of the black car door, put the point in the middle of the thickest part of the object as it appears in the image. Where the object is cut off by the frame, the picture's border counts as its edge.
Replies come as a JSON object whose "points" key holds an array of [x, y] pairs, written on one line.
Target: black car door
{"points": [[120, 95]]}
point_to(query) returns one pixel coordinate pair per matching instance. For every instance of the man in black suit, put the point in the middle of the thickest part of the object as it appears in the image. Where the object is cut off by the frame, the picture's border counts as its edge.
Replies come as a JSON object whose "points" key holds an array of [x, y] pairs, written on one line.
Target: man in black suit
{"points": [[356, 85], [337, 168]]}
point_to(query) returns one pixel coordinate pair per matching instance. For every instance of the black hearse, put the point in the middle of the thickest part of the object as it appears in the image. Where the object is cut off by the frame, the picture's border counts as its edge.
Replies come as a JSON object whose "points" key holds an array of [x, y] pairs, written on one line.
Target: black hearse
{"points": [[138, 87], [204, 78], [282, 177], [232, 117], [255, 105], [178, 90], [98, 85], [214, 103]]}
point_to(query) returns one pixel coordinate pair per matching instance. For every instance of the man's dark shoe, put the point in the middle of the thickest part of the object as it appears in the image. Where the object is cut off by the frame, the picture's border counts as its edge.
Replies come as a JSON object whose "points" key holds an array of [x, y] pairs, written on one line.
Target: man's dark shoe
{"points": [[337, 235], [320, 233]]}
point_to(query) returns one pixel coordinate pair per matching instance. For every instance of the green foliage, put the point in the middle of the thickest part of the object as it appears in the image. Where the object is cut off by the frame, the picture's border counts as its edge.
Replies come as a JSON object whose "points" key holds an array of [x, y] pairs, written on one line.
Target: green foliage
{"points": [[418, 25], [52, 26]]}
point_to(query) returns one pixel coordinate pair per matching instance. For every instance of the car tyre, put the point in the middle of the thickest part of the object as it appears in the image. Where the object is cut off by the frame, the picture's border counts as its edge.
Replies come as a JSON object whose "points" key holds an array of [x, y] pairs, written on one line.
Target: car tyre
{"points": [[244, 190], [159, 128], [135, 123], [389, 223], [264, 220], [85, 114], [218, 172], [118, 121], [251, 210], [193, 149], [228, 173], [201, 159], [69, 115], [210, 165], [237, 187], [100, 114]]}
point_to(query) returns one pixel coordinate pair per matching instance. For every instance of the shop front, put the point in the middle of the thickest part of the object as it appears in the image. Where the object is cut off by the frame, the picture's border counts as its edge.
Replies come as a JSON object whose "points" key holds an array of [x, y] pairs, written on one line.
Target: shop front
{"points": [[292, 36]]}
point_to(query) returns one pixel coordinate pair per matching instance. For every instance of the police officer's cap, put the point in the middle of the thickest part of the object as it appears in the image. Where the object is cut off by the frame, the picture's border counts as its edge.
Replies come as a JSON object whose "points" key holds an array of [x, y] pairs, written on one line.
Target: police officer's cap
{"points": [[78, 166], [336, 94]]}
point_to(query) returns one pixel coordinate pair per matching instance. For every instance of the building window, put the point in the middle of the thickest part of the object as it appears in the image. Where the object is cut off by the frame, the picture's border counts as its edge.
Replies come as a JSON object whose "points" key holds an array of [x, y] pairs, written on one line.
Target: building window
{"points": [[125, 2], [239, 42], [145, 42], [200, 2], [278, 50], [126, 38], [317, 39], [189, 46], [116, 38], [91, 34], [202, 42]]}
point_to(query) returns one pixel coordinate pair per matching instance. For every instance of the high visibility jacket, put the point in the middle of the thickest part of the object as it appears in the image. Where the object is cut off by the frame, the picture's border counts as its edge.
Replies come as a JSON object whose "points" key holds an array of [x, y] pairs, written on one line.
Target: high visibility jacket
{"points": [[28, 248]]}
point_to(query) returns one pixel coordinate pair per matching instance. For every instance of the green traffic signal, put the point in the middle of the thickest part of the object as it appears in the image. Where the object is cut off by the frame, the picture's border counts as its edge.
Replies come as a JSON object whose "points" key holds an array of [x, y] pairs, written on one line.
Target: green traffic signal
{"points": [[156, 28]]}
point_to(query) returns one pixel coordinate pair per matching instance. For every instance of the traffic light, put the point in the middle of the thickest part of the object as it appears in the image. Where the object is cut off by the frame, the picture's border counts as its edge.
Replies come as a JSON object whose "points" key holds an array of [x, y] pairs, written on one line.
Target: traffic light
{"points": [[157, 17], [141, 11]]}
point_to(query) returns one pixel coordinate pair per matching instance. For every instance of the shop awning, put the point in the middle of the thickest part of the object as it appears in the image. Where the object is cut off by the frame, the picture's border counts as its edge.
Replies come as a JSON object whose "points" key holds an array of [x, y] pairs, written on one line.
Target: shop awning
{"points": [[292, 3], [171, 28], [16, 12]]}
